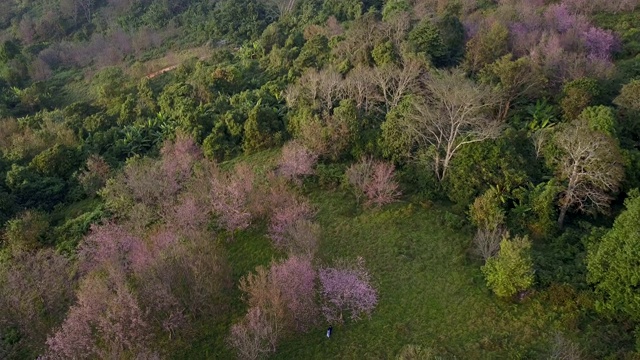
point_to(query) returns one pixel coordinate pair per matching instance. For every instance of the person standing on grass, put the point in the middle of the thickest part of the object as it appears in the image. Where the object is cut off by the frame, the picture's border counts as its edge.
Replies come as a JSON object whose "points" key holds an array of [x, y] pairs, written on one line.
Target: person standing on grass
{"points": [[329, 331]]}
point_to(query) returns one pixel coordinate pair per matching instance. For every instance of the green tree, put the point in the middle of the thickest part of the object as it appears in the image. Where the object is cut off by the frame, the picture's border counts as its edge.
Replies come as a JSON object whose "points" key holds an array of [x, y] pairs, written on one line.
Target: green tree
{"points": [[263, 129], [578, 95], [612, 263], [629, 97], [628, 103], [487, 46], [59, 161], [34, 190], [111, 87], [26, 232], [511, 270], [425, 39], [600, 118], [488, 163], [314, 53], [394, 7], [453, 37], [384, 53], [9, 50], [513, 80]]}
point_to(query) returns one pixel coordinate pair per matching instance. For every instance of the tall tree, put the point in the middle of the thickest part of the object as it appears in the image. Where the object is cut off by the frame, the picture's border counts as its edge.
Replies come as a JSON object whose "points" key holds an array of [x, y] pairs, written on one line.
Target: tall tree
{"points": [[612, 263], [590, 165], [454, 112]]}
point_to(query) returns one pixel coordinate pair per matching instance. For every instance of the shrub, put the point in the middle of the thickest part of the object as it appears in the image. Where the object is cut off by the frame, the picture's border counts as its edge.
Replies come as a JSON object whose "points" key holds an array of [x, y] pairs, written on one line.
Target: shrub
{"points": [[35, 292], [302, 238], [511, 270]]}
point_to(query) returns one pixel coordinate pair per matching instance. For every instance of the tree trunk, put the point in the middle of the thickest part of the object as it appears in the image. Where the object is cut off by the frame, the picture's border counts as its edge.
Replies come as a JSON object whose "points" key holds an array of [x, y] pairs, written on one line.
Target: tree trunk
{"points": [[563, 212]]}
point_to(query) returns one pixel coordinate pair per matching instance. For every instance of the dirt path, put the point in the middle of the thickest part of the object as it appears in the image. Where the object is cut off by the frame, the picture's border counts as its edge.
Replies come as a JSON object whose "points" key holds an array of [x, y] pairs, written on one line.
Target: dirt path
{"points": [[161, 71]]}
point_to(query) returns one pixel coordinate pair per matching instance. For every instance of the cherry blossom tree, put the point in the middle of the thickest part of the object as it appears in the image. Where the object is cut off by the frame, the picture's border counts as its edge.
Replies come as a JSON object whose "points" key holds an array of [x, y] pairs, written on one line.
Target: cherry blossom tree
{"points": [[178, 158], [262, 293], [106, 322], [373, 179], [284, 217], [296, 161], [109, 244], [295, 278], [231, 196], [250, 337], [347, 289]]}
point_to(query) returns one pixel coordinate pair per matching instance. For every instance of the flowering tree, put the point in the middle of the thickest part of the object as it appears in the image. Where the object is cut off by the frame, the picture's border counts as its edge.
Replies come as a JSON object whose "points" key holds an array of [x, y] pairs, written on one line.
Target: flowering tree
{"points": [[188, 216], [374, 179], [600, 43], [107, 245], [231, 197], [181, 279], [250, 337], [347, 288], [284, 217], [178, 158], [295, 278], [262, 293], [280, 298], [296, 161], [35, 292], [105, 323]]}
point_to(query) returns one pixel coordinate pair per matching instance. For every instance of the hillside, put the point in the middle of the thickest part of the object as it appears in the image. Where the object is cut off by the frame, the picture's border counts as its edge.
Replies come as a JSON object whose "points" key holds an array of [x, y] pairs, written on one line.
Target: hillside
{"points": [[219, 179]]}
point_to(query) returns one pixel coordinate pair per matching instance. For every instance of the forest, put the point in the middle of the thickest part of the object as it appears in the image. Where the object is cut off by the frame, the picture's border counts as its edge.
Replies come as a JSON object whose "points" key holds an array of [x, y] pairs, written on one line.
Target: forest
{"points": [[219, 179]]}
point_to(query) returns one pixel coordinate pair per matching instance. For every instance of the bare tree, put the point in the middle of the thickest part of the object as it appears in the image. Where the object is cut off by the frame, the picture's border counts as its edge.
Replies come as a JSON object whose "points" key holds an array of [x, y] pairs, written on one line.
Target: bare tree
{"points": [[590, 164], [320, 88], [394, 82], [284, 6], [487, 242], [454, 112], [360, 85]]}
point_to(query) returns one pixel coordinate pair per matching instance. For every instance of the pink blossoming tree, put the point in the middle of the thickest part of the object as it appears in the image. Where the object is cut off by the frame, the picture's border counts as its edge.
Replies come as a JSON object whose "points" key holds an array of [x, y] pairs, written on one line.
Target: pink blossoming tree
{"points": [[347, 289]]}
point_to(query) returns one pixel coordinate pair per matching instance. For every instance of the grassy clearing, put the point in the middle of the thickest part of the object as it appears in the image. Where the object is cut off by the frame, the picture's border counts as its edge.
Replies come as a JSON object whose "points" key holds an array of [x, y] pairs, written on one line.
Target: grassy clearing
{"points": [[431, 294]]}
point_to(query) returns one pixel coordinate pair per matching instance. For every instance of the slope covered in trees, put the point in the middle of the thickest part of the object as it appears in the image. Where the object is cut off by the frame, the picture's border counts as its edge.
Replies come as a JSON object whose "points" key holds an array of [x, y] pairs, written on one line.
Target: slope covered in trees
{"points": [[432, 178]]}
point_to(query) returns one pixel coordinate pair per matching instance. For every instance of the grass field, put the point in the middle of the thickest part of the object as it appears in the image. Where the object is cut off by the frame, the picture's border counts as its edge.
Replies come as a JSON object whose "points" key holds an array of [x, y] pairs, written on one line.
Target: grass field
{"points": [[432, 294]]}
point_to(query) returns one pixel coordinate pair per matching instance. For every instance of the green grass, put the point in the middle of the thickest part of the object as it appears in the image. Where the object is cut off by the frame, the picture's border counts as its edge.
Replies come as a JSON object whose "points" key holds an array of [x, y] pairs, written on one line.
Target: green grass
{"points": [[430, 293]]}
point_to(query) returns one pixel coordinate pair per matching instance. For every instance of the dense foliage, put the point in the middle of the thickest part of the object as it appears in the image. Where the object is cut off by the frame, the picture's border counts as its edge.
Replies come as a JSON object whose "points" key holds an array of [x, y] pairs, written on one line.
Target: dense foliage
{"points": [[182, 175]]}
